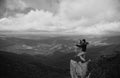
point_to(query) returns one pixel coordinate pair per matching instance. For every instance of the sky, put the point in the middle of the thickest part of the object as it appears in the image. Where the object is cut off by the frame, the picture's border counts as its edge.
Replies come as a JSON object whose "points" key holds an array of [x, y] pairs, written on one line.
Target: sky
{"points": [[82, 17]]}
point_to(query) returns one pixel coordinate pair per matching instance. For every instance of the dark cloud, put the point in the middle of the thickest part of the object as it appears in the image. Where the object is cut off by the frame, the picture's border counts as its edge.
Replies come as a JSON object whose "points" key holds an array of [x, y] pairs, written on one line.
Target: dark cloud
{"points": [[17, 11], [13, 7], [49, 5], [2, 8]]}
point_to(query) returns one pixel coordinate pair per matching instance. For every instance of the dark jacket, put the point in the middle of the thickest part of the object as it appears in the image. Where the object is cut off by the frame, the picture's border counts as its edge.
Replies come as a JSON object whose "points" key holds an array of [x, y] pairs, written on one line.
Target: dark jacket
{"points": [[83, 46]]}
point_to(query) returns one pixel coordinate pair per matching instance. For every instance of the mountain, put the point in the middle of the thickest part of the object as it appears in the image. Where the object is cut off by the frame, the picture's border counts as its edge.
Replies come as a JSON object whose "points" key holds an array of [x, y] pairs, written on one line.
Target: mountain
{"points": [[25, 56], [25, 66], [47, 45], [31, 46], [105, 67]]}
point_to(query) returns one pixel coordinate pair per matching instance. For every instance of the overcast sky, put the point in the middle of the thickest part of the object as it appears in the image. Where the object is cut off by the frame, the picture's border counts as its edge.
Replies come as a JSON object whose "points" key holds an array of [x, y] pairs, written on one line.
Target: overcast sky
{"points": [[95, 17]]}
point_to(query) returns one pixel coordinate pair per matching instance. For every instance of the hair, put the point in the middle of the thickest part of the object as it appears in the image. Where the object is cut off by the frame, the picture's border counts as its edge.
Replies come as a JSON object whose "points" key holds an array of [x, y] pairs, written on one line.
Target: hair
{"points": [[84, 40]]}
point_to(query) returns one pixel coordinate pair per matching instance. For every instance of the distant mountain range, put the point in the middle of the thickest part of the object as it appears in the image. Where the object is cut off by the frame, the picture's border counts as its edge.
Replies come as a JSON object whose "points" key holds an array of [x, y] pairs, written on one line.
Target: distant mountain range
{"points": [[48, 45]]}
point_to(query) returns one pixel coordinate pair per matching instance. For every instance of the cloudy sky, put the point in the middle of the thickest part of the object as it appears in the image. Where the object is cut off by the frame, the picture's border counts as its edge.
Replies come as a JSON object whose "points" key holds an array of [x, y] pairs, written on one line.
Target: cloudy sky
{"points": [[86, 17]]}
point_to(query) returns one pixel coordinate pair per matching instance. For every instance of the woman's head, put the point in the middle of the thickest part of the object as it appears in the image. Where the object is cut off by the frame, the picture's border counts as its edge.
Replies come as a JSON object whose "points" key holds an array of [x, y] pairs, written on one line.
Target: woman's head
{"points": [[84, 40]]}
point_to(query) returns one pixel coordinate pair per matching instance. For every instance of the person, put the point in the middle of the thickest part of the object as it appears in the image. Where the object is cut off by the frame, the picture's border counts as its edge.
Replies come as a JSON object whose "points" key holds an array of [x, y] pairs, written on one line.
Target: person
{"points": [[83, 46]]}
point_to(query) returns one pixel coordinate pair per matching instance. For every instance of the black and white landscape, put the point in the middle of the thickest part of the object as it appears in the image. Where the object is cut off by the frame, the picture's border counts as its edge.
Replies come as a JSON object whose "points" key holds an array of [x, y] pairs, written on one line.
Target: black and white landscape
{"points": [[49, 57], [38, 37]]}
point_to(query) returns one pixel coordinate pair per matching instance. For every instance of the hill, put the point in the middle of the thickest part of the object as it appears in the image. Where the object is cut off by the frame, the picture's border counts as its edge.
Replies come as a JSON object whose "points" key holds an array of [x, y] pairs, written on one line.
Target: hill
{"points": [[49, 45], [105, 67], [27, 66], [24, 66]]}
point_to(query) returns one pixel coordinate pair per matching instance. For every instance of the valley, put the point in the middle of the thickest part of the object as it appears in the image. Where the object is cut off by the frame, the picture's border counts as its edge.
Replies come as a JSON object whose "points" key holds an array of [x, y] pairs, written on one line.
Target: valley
{"points": [[33, 57]]}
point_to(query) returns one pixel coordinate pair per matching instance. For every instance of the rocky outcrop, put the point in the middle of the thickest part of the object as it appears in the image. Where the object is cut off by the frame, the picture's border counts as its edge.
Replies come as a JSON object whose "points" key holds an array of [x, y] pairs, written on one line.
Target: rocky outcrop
{"points": [[79, 68], [102, 67]]}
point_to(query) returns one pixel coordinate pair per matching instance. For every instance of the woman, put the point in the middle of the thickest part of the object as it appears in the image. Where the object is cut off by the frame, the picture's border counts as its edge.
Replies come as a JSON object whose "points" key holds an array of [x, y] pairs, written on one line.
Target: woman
{"points": [[82, 45]]}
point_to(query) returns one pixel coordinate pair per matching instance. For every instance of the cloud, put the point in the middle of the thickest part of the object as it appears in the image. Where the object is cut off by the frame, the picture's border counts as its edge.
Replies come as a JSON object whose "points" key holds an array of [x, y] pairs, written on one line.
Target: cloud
{"points": [[49, 5], [16, 4], [94, 17], [12, 7], [34, 19], [2, 8]]}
